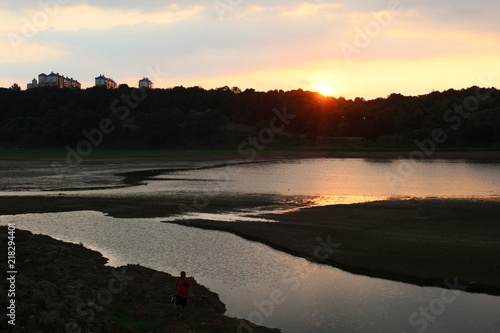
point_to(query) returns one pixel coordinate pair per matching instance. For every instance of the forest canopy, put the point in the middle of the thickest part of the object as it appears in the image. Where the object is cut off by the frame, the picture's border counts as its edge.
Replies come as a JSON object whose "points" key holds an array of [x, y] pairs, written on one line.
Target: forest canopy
{"points": [[194, 117]]}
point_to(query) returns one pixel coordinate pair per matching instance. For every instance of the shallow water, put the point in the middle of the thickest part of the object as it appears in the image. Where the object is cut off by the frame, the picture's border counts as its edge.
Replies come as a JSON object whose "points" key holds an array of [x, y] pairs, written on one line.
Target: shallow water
{"points": [[248, 276], [343, 177], [317, 182]]}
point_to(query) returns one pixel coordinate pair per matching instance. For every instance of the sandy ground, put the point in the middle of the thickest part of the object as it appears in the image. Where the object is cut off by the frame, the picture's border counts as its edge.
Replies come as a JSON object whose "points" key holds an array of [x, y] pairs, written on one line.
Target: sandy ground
{"points": [[426, 242]]}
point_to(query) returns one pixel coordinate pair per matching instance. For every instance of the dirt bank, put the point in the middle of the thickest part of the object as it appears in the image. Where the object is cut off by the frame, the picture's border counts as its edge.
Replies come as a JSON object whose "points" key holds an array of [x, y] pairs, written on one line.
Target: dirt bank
{"points": [[63, 287]]}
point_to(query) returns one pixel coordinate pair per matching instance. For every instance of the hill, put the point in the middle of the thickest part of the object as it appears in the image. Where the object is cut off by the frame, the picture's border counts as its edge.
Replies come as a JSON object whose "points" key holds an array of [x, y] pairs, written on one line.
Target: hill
{"points": [[228, 117]]}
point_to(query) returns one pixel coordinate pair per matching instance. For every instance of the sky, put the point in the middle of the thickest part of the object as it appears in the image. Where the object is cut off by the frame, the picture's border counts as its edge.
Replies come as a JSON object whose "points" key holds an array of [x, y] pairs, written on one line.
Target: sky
{"points": [[348, 48]]}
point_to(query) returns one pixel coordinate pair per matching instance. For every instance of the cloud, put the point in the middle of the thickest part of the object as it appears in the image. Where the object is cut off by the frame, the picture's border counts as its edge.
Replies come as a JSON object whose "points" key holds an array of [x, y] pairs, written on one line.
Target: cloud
{"points": [[13, 51], [448, 14], [304, 83], [84, 16], [198, 46], [309, 8], [152, 5]]}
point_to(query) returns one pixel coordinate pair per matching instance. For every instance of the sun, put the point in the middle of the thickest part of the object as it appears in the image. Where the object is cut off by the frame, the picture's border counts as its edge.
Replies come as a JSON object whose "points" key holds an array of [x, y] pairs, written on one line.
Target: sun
{"points": [[324, 88]]}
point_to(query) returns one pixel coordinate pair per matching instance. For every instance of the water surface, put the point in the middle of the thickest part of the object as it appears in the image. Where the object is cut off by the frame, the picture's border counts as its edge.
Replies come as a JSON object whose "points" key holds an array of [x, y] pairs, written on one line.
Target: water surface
{"points": [[248, 275]]}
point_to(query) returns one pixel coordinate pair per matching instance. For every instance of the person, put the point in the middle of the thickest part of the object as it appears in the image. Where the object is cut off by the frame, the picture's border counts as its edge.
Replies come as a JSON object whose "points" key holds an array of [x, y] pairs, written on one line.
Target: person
{"points": [[182, 290]]}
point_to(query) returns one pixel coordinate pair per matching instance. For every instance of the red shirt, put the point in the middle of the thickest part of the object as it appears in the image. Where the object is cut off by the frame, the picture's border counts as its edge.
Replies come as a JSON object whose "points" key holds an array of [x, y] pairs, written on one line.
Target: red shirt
{"points": [[182, 287]]}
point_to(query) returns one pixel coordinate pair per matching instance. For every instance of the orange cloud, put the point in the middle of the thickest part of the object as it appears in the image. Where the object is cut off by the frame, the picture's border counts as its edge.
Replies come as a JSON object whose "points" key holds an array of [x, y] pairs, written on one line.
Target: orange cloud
{"points": [[309, 9], [22, 50], [84, 16]]}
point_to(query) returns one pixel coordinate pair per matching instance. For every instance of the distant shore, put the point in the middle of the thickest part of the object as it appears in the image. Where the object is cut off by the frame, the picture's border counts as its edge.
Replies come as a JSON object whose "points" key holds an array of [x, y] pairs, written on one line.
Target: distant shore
{"points": [[269, 152]]}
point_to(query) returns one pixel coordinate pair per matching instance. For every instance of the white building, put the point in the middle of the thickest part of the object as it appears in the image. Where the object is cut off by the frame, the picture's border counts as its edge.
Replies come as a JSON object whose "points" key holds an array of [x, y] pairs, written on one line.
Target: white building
{"points": [[54, 80], [101, 80], [145, 83], [33, 84]]}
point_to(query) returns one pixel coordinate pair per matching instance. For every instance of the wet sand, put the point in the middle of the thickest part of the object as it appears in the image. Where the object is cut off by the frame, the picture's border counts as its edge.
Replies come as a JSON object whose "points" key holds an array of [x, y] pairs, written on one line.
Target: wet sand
{"points": [[419, 241]]}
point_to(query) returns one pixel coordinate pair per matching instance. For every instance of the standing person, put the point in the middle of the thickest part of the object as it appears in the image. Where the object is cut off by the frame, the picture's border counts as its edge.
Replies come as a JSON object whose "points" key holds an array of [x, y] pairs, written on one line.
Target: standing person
{"points": [[182, 290]]}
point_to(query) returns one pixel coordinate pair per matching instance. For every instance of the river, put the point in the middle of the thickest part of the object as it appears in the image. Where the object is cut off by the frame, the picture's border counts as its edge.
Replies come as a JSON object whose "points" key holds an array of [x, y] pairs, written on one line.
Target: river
{"points": [[273, 288]]}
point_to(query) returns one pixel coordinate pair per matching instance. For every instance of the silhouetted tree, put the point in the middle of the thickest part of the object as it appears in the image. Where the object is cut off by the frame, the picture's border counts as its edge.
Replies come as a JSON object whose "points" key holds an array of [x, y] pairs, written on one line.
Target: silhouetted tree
{"points": [[15, 87]]}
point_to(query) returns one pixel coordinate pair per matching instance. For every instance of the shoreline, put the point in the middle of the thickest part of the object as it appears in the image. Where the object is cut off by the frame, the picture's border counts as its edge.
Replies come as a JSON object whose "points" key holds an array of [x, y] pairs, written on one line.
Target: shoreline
{"points": [[57, 280], [225, 154]]}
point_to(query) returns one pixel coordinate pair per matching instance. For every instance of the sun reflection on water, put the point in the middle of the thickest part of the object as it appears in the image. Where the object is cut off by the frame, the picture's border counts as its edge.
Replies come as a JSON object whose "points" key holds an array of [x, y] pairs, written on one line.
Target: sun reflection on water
{"points": [[326, 200], [288, 204]]}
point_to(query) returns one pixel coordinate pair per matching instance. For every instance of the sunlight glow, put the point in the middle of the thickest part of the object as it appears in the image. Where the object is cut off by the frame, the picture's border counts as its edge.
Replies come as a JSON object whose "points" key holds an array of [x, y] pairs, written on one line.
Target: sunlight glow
{"points": [[324, 88]]}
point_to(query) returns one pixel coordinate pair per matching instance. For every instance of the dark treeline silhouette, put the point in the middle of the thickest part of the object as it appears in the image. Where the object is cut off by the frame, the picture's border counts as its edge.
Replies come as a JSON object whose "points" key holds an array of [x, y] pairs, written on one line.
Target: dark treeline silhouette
{"points": [[223, 117]]}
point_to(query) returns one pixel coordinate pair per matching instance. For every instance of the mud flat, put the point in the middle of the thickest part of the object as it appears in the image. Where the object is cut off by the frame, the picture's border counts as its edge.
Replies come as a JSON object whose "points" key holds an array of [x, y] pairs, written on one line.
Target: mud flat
{"points": [[424, 242]]}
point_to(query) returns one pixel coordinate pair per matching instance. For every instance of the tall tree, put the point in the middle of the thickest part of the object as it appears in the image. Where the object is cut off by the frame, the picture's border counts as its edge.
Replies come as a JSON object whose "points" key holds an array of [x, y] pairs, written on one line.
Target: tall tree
{"points": [[15, 87]]}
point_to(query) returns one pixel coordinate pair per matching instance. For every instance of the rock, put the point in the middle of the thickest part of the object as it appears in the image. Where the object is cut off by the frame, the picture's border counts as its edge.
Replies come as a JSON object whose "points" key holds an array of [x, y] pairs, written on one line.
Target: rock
{"points": [[22, 294], [55, 306], [23, 282], [44, 284], [25, 308], [48, 288], [72, 300], [48, 318], [3, 295], [31, 322], [38, 297]]}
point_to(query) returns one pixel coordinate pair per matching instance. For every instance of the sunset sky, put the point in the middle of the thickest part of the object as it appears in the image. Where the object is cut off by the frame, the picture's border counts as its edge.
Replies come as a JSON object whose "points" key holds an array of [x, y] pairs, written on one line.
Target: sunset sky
{"points": [[349, 48]]}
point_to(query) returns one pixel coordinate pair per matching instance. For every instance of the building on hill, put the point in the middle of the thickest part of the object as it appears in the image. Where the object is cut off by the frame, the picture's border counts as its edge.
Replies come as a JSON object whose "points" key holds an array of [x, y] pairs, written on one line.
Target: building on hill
{"points": [[145, 83], [101, 80], [33, 84], [54, 80]]}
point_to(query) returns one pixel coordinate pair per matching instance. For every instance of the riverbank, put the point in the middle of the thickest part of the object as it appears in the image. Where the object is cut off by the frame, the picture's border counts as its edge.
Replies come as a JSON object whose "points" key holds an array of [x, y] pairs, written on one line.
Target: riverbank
{"points": [[63, 287], [427, 242], [61, 155]]}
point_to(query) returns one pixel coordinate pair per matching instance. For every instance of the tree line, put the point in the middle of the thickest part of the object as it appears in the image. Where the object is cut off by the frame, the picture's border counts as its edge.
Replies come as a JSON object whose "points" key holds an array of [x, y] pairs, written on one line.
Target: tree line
{"points": [[195, 117]]}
